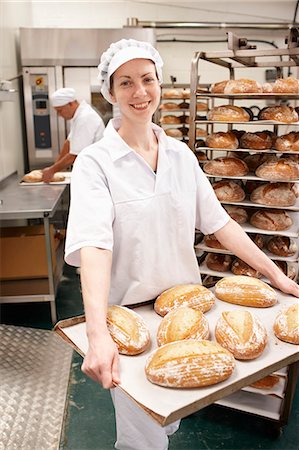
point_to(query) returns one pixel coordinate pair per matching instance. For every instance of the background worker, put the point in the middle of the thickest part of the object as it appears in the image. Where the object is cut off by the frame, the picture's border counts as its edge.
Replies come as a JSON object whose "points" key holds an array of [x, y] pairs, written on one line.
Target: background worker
{"points": [[86, 127]]}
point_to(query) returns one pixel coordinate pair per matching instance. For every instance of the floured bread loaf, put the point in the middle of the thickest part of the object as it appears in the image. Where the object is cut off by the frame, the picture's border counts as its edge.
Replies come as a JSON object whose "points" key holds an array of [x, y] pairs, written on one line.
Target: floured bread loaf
{"points": [[128, 330], [241, 333], [226, 166], [286, 325], [189, 364], [36, 176], [267, 382], [228, 113], [242, 86], [193, 295], [182, 323], [245, 291]]}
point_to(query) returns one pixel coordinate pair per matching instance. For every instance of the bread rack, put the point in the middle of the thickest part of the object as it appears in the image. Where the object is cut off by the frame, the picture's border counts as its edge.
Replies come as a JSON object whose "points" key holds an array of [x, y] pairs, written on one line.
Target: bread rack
{"points": [[241, 55]]}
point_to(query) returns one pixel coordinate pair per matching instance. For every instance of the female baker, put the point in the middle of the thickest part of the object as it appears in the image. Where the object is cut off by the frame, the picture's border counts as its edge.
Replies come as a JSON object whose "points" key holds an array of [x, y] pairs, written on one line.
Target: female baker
{"points": [[137, 196]]}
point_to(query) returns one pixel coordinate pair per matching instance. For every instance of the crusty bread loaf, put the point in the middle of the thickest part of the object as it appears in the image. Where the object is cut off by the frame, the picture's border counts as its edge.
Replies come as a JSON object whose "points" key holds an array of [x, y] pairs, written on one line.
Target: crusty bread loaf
{"points": [[36, 176], [226, 166], [261, 140], [288, 85], [237, 213], [218, 88], [286, 325], [271, 219], [200, 132], [282, 170], [258, 239], [189, 364], [168, 106], [201, 156], [182, 323], [174, 132], [240, 267], [282, 246], [201, 106], [228, 113], [170, 120], [128, 330], [218, 262], [288, 142], [257, 159], [245, 291], [172, 93], [241, 333], [210, 240], [267, 88], [274, 194], [222, 140], [228, 191], [193, 295], [284, 114], [242, 86], [267, 382]]}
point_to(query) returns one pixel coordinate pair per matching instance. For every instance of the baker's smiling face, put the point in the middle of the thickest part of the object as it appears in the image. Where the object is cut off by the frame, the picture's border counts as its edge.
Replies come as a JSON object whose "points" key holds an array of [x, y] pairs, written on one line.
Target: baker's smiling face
{"points": [[136, 90]]}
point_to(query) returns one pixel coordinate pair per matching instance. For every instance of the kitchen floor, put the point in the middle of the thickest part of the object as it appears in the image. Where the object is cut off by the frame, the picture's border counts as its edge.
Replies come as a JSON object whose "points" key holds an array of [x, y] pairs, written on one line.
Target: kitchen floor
{"points": [[89, 423]]}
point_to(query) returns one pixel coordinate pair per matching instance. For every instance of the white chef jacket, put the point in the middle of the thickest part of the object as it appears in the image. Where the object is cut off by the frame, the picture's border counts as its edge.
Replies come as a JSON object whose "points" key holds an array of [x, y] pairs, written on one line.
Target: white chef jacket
{"points": [[146, 219], [86, 127]]}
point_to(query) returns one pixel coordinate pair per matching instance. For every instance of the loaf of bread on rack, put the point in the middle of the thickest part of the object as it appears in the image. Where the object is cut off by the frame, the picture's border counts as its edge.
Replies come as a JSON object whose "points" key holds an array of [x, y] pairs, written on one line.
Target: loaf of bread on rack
{"points": [[284, 169], [240, 267], [182, 323], [257, 159], [201, 106], [172, 93], [237, 213], [260, 140], [228, 113], [245, 291], [286, 324], [174, 132], [218, 262], [267, 382], [193, 295], [287, 268], [274, 194], [288, 142], [36, 176], [218, 88], [201, 156], [170, 119], [284, 114], [267, 88], [242, 333], [258, 239], [271, 219], [228, 191], [282, 246], [189, 364], [211, 241], [222, 140], [226, 166], [242, 86], [288, 85], [168, 106], [128, 330]]}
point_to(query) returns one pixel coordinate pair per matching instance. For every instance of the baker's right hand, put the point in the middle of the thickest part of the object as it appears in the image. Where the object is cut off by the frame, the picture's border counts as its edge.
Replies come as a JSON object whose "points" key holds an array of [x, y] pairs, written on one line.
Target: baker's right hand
{"points": [[101, 362]]}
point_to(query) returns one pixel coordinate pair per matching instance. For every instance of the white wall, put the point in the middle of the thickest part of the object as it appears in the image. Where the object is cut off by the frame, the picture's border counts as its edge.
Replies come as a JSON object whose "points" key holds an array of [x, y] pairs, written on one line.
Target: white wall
{"points": [[114, 14]]}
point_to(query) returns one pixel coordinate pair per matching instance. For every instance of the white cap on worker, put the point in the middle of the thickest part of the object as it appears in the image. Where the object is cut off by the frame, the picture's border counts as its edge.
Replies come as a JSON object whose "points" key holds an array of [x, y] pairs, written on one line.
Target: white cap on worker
{"points": [[63, 96], [121, 52]]}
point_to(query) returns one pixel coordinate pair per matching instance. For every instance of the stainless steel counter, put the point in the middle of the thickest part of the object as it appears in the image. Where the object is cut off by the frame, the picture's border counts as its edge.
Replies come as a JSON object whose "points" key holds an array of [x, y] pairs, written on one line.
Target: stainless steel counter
{"points": [[32, 202]]}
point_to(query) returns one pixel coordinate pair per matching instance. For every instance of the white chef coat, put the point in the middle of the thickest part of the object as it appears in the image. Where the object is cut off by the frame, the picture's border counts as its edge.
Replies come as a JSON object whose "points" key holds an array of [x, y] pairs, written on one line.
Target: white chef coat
{"points": [[86, 127], [147, 219]]}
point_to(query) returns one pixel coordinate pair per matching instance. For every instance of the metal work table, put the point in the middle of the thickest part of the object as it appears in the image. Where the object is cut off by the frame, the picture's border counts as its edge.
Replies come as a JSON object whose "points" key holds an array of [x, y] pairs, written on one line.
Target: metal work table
{"points": [[32, 202]]}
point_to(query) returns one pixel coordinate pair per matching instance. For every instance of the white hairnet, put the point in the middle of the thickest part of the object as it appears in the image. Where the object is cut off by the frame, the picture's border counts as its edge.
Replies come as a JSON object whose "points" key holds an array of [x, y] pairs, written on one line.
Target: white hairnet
{"points": [[121, 52], [63, 96]]}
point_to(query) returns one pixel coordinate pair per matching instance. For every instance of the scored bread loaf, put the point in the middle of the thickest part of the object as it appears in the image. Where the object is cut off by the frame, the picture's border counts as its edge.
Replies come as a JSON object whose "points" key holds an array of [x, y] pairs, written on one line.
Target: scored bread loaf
{"points": [[168, 106], [228, 113], [189, 364], [271, 219], [237, 213], [284, 169], [241, 333], [36, 176], [182, 323], [261, 140], [282, 246], [222, 140], [226, 166], [245, 291], [171, 119], [284, 114], [210, 240], [218, 262], [274, 194], [242, 86], [288, 142], [193, 295], [228, 191], [128, 330], [218, 88], [288, 85], [240, 267], [286, 324], [172, 93]]}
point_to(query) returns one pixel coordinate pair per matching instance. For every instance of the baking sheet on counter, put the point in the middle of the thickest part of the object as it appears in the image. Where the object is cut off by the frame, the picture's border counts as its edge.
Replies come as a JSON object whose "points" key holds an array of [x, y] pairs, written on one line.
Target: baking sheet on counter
{"points": [[166, 404], [67, 180]]}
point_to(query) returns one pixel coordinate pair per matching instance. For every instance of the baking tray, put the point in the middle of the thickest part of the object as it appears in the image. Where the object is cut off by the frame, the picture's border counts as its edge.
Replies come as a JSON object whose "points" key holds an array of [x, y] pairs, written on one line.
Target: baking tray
{"points": [[67, 180], [166, 405]]}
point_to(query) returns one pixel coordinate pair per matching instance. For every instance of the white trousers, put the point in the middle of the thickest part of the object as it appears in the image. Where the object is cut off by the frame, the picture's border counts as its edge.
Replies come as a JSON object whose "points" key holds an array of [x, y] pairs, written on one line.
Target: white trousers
{"points": [[136, 430]]}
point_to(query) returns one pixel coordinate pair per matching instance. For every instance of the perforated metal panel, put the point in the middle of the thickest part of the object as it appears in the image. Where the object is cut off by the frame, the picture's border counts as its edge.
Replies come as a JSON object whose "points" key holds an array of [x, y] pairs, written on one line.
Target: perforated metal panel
{"points": [[34, 374]]}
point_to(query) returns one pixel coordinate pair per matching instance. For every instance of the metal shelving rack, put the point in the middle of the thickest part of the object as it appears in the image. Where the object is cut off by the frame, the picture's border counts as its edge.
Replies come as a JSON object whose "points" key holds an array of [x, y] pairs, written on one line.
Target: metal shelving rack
{"points": [[241, 55]]}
